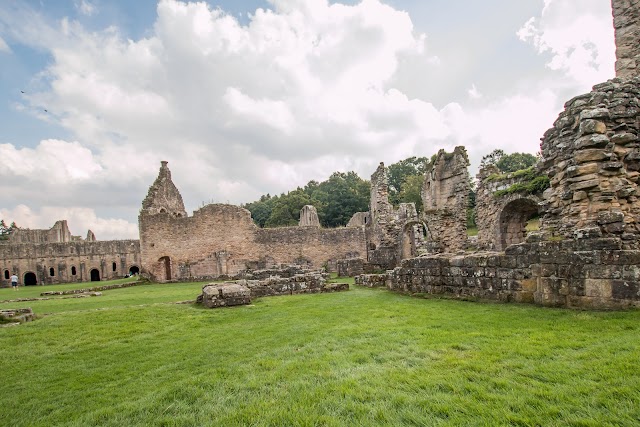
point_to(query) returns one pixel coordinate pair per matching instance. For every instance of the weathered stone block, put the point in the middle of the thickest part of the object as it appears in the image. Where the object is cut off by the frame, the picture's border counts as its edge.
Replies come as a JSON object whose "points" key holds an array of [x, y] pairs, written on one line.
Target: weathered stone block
{"points": [[598, 288], [225, 294]]}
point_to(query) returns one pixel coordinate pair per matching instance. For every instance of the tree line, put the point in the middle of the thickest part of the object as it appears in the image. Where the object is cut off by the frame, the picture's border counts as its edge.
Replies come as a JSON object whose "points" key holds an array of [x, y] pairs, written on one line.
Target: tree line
{"points": [[5, 231]]}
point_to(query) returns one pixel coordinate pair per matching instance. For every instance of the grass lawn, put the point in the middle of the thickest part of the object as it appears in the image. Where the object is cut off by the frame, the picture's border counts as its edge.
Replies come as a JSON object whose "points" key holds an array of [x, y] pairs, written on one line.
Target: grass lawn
{"points": [[358, 358]]}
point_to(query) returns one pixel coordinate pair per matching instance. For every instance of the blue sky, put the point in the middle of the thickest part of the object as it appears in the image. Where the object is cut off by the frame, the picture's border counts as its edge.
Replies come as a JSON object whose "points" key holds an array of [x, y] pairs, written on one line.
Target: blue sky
{"points": [[244, 102]]}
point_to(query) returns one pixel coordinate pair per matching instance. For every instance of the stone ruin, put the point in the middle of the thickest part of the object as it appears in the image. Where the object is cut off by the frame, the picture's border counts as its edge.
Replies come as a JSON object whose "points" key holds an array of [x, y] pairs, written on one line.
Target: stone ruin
{"points": [[241, 292], [50, 256], [587, 252]]}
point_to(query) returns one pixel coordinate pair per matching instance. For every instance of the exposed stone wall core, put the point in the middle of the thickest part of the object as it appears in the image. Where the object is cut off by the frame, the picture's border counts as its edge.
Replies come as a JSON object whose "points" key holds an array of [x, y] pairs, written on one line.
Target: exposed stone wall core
{"points": [[501, 220], [592, 157], [309, 217], [359, 219], [163, 196], [626, 21], [445, 196]]}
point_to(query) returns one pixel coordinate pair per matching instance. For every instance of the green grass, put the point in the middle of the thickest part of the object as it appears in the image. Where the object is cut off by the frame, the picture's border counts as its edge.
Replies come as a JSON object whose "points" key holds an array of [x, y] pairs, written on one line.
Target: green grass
{"points": [[358, 358]]}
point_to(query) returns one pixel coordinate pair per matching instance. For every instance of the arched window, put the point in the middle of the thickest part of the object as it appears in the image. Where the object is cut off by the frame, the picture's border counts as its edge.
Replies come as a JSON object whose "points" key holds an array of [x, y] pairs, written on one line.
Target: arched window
{"points": [[113, 266], [6, 274], [73, 271], [52, 272]]}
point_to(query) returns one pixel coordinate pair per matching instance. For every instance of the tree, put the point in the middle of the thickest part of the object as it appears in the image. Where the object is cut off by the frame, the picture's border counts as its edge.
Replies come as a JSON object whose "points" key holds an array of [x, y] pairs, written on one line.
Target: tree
{"points": [[341, 196], [508, 162], [6, 231], [411, 191], [399, 172]]}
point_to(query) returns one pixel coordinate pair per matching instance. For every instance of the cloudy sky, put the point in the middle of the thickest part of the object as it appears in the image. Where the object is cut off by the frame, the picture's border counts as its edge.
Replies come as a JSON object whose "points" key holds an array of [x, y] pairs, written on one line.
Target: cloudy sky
{"points": [[248, 97]]}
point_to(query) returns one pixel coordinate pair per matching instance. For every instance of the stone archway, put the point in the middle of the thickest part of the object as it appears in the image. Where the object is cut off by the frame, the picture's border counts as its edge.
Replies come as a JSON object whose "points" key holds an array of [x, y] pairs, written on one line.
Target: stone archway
{"points": [[513, 220], [95, 275], [134, 269], [30, 279]]}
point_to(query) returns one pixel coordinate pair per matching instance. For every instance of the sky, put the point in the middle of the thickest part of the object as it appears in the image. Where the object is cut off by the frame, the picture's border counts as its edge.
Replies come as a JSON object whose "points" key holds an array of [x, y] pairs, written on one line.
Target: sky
{"points": [[249, 97]]}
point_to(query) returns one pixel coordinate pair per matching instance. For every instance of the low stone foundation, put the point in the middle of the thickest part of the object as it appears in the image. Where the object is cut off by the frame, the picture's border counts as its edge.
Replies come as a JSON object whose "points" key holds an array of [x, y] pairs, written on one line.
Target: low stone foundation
{"points": [[372, 280], [17, 315], [350, 267], [588, 273], [241, 291]]}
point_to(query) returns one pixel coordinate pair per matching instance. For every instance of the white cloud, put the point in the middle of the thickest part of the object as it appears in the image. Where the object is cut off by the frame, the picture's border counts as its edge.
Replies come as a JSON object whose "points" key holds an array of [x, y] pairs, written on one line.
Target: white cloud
{"points": [[474, 93], [4, 47], [79, 219], [86, 7], [579, 40]]}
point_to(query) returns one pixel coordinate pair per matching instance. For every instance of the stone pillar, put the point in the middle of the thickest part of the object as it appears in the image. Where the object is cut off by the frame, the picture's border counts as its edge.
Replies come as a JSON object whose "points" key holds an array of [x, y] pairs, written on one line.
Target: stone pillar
{"points": [[309, 217], [626, 21]]}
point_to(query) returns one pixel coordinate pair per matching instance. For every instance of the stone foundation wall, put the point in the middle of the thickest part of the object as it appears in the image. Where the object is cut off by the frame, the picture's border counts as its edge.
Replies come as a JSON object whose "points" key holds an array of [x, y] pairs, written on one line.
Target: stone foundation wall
{"points": [[40, 258], [592, 273], [350, 267]]}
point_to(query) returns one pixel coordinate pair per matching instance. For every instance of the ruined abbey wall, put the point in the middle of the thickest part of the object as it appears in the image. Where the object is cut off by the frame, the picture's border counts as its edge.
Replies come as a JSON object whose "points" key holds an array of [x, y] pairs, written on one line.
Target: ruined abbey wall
{"points": [[592, 157], [445, 196], [626, 21], [223, 240], [51, 263]]}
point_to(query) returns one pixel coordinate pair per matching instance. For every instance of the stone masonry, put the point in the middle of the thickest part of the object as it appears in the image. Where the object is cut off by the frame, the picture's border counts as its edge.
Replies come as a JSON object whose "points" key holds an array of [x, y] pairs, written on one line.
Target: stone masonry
{"points": [[501, 220], [626, 21], [445, 196], [309, 217]]}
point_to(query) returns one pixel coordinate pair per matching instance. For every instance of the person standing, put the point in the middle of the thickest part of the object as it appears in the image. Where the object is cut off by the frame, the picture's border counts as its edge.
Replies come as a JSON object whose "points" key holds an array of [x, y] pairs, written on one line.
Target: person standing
{"points": [[14, 282]]}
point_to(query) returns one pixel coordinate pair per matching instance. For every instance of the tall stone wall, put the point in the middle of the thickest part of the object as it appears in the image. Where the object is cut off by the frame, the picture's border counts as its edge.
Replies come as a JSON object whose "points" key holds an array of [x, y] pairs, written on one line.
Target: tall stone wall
{"points": [[626, 21], [309, 217], [69, 261], [445, 196], [223, 240], [163, 195], [592, 157]]}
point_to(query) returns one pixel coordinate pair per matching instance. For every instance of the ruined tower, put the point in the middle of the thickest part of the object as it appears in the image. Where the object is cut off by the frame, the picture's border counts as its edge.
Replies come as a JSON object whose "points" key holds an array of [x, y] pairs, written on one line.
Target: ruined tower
{"points": [[163, 196], [445, 196], [626, 21], [309, 217]]}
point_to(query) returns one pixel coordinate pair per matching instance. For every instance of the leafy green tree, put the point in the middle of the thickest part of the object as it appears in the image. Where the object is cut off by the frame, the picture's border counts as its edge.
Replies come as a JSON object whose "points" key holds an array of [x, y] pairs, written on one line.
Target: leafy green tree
{"points": [[508, 162], [399, 172], [411, 191], [341, 196], [6, 231], [286, 210]]}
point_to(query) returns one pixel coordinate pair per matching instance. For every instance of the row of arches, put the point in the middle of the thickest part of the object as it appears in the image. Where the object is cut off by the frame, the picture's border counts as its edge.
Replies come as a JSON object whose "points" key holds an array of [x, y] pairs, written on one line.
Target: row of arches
{"points": [[31, 279]]}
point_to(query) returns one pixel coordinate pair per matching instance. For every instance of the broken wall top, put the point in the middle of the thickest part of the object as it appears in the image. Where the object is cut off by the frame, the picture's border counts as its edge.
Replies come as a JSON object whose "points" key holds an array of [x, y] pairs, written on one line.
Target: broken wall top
{"points": [[626, 22], [163, 196]]}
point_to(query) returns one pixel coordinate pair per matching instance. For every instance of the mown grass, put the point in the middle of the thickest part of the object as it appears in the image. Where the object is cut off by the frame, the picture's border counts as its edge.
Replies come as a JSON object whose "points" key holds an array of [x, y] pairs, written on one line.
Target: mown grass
{"points": [[363, 357]]}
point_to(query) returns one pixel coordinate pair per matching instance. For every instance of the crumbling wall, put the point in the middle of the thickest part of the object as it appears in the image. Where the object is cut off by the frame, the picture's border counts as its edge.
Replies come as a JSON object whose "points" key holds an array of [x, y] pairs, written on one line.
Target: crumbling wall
{"points": [[445, 196], [58, 233], [163, 196], [626, 21], [70, 261], [501, 220], [309, 217], [385, 229], [582, 273], [592, 157]]}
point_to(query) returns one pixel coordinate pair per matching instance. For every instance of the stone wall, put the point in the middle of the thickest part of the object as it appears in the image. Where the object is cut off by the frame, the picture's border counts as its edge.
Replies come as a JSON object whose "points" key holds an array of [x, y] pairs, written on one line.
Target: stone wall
{"points": [[59, 233], [350, 267], [309, 217], [222, 240], [445, 196], [626, 21], [583, 273], [68, 261], [501, 220], [592, 157]]}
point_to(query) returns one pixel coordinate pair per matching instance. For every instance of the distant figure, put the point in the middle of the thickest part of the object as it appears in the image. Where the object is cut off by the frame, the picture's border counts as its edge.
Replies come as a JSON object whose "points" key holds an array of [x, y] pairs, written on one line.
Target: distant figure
{"points": [[14, 282]]}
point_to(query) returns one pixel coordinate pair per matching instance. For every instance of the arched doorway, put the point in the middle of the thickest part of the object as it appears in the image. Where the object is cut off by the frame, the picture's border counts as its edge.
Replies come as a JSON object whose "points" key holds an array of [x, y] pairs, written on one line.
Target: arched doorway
{"points": [[134, 270], [166, 266], [414, 236], [95, 275], [513, 221], [30, 279]]}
